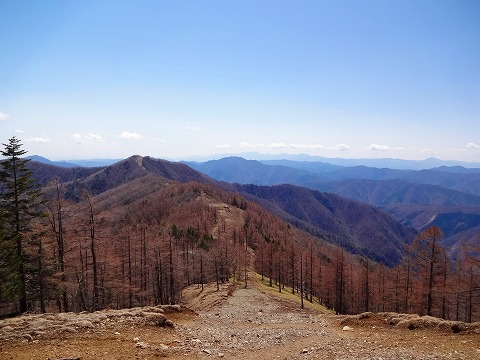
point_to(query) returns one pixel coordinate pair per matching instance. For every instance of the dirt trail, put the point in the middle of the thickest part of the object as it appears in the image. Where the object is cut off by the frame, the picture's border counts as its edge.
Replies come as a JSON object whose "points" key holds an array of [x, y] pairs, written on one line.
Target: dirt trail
{"points": [[250, 323], [255, 323]]}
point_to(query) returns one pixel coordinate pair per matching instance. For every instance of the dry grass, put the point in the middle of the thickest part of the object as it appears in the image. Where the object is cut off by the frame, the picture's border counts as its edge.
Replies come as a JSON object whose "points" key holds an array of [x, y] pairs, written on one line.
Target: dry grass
{"points": [[409, 321], [196, 299], [286, 294], [40, 325]]}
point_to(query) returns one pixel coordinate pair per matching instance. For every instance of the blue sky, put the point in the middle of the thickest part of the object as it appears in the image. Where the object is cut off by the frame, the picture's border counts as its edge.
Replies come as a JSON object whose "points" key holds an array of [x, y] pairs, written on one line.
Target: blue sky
{"points": [[352, 79]]}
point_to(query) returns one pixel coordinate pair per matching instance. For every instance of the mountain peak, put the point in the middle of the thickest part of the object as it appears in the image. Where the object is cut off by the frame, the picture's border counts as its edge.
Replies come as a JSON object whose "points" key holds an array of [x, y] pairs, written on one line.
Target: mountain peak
{"points": [[138, 159]]}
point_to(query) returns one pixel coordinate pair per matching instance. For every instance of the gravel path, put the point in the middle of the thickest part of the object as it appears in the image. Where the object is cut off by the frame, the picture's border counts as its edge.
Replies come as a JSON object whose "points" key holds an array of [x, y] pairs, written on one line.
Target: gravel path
{"points": [[248, 321], [252, 324]]}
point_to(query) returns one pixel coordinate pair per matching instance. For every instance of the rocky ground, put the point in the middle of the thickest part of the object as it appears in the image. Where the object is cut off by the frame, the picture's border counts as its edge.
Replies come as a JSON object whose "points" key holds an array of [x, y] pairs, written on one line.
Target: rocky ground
{"points": [[234, 323]]}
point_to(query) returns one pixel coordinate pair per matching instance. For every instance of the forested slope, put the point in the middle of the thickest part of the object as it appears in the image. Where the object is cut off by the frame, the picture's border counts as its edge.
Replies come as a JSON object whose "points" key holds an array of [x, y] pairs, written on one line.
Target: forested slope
{"points": [[133, 235]]}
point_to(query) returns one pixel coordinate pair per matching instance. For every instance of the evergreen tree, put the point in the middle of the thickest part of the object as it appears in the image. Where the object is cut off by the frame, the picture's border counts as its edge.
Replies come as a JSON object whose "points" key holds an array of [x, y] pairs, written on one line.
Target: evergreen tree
{"points": [[8, 261], [19, 206]]}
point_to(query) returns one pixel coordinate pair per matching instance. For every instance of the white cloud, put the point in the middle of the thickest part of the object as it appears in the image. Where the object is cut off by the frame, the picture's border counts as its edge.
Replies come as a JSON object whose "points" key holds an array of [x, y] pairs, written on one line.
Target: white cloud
{"points": [[303, 146], [282, 146], [429, 152], [129, 135], [278, 146], [38, 140], [88, 139], [4, 116], [245, 144], [472, 146], [223, 146], [340, 147], [192, 128], [19, 131], [376, 147]]}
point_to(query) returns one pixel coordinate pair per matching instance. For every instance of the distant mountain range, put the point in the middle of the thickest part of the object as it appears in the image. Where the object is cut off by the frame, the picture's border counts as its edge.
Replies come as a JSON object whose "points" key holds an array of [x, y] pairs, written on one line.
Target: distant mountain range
{"points": [[401, 164], [324, 177], [378, 163], [75, 163], [300, 161], [315, 198], [358, 227], [444, 196]]}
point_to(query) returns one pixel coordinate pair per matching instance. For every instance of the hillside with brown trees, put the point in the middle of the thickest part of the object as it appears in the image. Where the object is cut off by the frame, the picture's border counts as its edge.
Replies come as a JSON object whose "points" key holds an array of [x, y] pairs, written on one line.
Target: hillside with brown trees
{"points": [[139, 232], [358, 227]]}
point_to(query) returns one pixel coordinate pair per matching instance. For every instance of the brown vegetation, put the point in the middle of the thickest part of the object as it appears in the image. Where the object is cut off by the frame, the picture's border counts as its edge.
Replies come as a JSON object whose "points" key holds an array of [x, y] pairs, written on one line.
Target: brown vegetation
{"points": [[142, 241], [248, 323]]}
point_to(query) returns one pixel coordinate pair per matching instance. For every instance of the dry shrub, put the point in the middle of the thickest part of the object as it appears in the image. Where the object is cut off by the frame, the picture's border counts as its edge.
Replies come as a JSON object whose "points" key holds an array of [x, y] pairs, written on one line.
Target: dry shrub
{"points": [[188, 311], [393, 321], [37, 333], [40, 324], [155, 319], [50, 316], [97, 317], [419, 322], [156, 309], [83, 324], [66, 316], [67, 329], [231, 289], [356, 319], [171, 308], [349, 320], [390, 314], [111, 314], [430, 322], [365, 315], [27, 336], [458, 327], [135, 311], [169, 323]]}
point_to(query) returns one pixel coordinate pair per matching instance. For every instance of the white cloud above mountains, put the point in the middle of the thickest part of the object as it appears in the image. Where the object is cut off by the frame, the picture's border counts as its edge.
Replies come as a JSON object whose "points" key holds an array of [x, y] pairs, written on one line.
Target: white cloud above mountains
{"points": [[280, 146], [4, 116], [38, 140], [129, 135], [285, 146], [88, 139], [472, 146], [340, 147], [376, 147]]}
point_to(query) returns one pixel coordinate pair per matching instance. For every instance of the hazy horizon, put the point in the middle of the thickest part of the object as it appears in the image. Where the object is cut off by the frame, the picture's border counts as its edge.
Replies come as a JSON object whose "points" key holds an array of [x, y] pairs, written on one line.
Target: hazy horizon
{"points": [[393, 163], [346, 79]]}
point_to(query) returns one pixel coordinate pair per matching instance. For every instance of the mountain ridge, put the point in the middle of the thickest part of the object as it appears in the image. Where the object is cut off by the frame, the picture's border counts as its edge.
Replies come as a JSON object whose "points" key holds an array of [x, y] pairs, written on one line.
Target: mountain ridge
{"points": [[308, 204], [442, 190], [359, 227], [281, 159]]}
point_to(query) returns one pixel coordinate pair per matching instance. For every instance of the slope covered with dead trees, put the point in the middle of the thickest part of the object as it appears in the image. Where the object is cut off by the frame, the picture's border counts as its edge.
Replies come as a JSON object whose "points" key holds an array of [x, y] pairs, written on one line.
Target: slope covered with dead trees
{"points": [[143, 241]]}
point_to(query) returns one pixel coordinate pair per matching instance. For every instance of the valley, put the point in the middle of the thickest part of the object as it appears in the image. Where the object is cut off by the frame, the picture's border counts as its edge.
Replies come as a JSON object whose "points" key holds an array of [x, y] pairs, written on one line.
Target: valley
{"points": [[416, 198]]}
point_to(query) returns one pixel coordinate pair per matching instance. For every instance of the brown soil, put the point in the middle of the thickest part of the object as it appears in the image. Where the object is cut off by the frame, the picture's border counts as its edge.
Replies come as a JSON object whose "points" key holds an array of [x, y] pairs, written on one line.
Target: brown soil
{"points": [[252, 323]]}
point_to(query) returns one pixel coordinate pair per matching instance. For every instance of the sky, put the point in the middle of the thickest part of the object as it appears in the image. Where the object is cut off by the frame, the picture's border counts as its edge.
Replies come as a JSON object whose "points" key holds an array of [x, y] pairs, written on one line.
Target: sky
{"points": [[177, 79]]}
